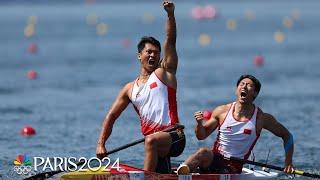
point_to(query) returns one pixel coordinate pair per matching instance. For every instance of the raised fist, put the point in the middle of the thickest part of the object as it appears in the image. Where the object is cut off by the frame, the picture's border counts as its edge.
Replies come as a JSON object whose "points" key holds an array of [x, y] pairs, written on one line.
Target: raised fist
{"points": [[168, 6]]}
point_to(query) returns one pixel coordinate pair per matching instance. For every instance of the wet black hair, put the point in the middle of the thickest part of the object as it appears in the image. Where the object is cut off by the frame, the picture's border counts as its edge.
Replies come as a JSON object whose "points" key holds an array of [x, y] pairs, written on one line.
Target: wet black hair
{"points": [[148, 39], [256, 82]]}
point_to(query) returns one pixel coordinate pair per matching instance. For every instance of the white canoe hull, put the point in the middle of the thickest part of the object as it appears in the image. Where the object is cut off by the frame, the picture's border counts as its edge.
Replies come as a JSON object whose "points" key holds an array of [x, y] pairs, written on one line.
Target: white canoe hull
{"points": [[128, 172]]}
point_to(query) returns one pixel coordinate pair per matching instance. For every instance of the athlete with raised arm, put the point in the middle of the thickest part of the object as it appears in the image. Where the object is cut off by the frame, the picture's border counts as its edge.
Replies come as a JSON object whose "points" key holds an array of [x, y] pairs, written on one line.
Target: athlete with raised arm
{"points": [[153, 95]]}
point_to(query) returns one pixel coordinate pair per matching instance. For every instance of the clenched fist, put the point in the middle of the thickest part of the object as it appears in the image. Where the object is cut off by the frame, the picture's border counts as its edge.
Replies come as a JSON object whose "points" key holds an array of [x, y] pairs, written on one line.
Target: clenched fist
{"points": [[168, 6], [198, 116]]}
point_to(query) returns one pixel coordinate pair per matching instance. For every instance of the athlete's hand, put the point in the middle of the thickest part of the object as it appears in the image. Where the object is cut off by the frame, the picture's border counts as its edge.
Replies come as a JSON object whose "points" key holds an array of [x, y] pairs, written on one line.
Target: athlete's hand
{"points": [[288, 168], [168, 6], [101, 151], [198, 116]]}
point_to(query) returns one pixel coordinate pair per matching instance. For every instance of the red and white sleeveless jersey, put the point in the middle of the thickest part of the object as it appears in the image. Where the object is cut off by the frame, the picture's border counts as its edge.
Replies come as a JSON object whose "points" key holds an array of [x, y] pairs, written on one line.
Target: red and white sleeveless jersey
{"points": [[235, 138], [155, 104]]}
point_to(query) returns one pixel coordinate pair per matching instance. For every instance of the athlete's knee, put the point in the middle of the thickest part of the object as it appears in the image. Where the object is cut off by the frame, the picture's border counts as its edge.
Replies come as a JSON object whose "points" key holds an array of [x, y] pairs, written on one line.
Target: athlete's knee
{"points": [[204, 152], [204, 156], [150, 142]]}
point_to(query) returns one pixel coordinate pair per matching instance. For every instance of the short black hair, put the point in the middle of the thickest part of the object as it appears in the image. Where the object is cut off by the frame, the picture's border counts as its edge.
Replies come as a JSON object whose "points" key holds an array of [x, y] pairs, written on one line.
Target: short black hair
{"points": [[148, 39], [257, 84]]}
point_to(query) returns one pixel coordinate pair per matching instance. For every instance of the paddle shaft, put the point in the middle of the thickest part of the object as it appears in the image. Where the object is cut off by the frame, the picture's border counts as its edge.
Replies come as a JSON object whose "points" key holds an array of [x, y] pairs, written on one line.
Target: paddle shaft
{"points": [[298, 172], [51, 173], [178, 126]]}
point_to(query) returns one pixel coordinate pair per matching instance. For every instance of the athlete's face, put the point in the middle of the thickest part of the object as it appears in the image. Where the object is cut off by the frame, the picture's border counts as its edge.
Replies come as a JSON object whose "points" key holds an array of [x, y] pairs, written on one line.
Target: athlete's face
{"points": [[246, 91], [149, 57]]}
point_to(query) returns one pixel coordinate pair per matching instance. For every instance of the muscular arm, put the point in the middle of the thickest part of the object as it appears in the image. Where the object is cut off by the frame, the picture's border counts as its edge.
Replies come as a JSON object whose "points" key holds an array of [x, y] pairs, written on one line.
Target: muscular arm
{"points": [[116, 109], [170, 58], [272, 125], [203, 130]]}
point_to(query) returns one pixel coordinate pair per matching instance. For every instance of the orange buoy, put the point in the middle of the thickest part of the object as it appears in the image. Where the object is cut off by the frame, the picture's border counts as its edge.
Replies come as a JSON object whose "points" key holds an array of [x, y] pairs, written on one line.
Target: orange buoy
{"points": [[209, 12], [196, 13], [29, 30], [32, 75], [204, 39], [258, 61], [28, 131], [33, 48]]}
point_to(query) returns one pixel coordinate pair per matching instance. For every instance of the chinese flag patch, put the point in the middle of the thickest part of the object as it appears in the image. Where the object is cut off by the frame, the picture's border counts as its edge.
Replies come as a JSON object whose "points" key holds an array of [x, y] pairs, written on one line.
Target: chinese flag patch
{"points": [[247, 131], [153, 85]]}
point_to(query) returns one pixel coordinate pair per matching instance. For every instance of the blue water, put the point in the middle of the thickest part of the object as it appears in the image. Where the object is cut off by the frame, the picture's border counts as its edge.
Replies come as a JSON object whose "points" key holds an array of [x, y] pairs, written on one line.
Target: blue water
{"points": [[80, 74]]}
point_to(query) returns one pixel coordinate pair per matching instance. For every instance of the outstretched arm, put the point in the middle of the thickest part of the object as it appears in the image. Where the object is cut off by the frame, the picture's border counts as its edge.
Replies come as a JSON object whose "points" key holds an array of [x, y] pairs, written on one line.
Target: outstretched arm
{"points": [[271, 124], [116, 109], [170, 58]]}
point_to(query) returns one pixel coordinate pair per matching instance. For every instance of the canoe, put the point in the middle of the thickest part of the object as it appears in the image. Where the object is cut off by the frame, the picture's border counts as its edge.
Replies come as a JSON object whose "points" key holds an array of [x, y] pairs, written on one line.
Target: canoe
{"points": [[133, 173]]}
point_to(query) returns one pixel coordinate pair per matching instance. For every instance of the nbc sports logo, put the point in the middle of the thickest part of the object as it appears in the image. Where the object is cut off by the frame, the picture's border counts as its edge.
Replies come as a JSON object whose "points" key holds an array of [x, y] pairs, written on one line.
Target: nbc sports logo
{"points": [[22, 165]]}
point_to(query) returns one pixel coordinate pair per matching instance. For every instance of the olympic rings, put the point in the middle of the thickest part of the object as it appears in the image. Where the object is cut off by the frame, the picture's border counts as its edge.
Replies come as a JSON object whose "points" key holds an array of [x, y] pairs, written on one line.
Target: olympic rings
{"points": [[22, 169]]}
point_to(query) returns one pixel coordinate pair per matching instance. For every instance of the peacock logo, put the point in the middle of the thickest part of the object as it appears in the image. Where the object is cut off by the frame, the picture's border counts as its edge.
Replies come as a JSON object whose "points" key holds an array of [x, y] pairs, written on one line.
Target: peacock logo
{"points": [[22, 165], [22, 160]]}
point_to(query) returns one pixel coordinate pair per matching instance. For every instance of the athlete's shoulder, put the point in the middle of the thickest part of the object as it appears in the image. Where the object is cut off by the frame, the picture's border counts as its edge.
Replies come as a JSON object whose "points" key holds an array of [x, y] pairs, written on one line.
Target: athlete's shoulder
{"points": [[264, 117], [222, 108], [159, 71], [164, 71], [166, 77], [127, 88], [260, 113], [129, 84]]}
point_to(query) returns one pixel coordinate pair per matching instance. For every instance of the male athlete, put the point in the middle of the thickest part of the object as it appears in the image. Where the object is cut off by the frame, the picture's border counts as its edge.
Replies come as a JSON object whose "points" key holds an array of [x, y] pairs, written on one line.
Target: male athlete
{"points": [[239, 126], [153, 95]]}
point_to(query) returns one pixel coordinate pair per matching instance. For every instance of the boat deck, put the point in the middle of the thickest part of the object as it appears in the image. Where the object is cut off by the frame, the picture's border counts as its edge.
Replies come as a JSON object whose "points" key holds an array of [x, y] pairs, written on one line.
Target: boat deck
{"points": [[133, 173]]}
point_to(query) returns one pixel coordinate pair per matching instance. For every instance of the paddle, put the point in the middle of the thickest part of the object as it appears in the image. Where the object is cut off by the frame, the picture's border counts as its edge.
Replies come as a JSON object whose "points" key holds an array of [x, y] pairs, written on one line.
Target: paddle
{"points": [[298, 172], [45, 175]]}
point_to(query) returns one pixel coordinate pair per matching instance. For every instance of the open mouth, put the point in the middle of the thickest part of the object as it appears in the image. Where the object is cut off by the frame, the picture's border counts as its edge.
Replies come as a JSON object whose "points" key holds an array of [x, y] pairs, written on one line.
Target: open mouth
{"points": [[151, 62], [243, 94]]}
